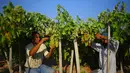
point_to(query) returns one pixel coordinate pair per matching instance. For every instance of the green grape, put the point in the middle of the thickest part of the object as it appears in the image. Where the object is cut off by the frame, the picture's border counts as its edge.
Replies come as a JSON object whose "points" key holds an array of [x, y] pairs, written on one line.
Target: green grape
{"points": [[52, 42], [57, 43], [82, 39], [86, 43]]}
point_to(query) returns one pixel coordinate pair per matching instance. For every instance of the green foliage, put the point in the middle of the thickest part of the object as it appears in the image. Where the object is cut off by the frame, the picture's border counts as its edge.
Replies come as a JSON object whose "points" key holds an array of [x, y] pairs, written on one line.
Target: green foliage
{"points": [[16, 23], [118, 20], [88, 30], [12, 20]]}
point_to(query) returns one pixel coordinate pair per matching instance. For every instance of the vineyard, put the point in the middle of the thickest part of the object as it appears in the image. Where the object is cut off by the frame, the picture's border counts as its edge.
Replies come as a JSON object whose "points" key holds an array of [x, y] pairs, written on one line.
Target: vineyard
{"points": [[66, 33]]}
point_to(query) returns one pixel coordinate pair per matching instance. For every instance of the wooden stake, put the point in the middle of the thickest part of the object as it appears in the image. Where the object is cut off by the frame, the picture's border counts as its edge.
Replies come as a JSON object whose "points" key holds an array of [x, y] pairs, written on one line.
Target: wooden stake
{"points": [[60, 56], [77, 55], [71, 64], [108, 50]]}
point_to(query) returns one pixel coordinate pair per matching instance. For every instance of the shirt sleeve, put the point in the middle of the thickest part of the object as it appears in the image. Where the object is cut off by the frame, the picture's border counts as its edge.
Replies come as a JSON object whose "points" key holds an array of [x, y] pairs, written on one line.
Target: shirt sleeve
{"points": [[28, 48], [114, 44], [96, 46], [27, 51], [43, 49]]}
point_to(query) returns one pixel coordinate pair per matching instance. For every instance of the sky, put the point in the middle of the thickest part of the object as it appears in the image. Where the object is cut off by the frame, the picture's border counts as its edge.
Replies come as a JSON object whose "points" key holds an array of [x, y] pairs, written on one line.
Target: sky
{"points": [[83, 8]]}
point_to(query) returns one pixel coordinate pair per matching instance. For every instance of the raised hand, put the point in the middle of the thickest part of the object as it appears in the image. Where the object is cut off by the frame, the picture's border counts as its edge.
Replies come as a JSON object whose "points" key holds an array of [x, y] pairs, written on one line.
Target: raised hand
{"points": [[98, 36], [44, 39]]}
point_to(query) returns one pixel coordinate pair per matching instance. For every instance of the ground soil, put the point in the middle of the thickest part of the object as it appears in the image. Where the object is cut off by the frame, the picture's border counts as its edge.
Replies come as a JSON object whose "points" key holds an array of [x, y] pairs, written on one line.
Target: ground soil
{"points": [[85, 69], [66, 68]]}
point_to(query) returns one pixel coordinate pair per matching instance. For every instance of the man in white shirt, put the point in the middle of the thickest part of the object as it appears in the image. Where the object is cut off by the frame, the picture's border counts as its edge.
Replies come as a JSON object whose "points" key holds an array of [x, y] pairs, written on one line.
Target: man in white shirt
{"points": [[34, 55], [102, 49]]}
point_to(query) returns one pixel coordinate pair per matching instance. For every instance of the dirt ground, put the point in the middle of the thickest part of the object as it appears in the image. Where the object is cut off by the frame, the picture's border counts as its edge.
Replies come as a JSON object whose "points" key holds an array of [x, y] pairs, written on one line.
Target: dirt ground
{"points": [[83, 70], [66, 68], [86, 69]]}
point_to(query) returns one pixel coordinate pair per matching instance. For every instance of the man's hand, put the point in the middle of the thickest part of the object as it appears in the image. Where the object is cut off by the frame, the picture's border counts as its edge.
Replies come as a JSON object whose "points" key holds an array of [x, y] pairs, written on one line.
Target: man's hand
{"points": [[98, 36], [52, 46], [44, 39], [101, 37]]}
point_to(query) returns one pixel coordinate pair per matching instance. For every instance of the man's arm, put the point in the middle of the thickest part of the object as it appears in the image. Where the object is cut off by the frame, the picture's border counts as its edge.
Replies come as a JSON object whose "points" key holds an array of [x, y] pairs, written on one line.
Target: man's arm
{"points": [[96, 46], [36, 47], [50, 53], [114, 44]]}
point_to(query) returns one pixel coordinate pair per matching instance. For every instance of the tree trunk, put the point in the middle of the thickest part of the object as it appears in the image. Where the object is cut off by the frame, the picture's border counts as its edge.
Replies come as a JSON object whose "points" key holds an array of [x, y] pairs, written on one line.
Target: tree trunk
{"points": [[20, 68], [7, 62], [60, 57], [71, 64], [121, 67], [77, 55], [10, 57]]}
